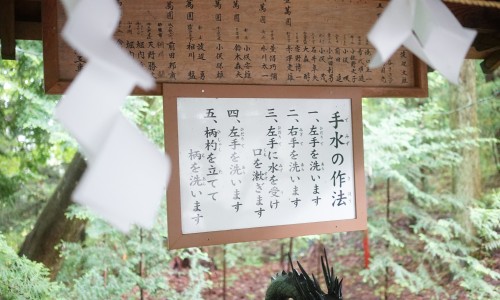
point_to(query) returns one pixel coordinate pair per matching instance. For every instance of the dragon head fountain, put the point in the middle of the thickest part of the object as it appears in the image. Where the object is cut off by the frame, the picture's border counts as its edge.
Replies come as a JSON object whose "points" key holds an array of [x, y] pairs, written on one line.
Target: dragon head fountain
{"points": [[300, 286]]}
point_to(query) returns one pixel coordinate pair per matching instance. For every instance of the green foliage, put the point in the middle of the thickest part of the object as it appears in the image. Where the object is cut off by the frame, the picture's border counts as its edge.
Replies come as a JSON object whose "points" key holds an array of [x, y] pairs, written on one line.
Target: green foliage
{"points": [[108, 264], [407, 142], [489, 125], [33, 151], [414, 281], [425, 246], [21, 278], [26, 142], [243, 254], [252, 253], [486, 219], [33, 148], [147, 113]]}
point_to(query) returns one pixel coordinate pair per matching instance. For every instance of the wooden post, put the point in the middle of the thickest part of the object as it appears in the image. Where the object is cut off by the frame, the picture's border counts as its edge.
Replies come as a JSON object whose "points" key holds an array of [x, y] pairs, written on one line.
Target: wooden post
{"points": [[141, 264], [388, 218], [224, 267], [7, 29], [366, 246]]}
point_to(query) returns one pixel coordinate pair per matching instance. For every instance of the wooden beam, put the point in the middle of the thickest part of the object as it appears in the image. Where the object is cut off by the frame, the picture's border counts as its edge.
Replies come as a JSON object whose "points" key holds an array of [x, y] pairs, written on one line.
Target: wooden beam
{"points": [[491, 63], [472, 16], [28, 10], [485, 20], [7, 29], [25, 23], [28, 30], [28, 20], [50, 44]]}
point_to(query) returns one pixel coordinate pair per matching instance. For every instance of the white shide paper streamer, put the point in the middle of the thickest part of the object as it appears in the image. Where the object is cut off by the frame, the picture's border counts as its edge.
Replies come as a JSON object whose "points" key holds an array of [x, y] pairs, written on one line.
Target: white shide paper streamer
{"points": [[428, 29], [126, 175]]}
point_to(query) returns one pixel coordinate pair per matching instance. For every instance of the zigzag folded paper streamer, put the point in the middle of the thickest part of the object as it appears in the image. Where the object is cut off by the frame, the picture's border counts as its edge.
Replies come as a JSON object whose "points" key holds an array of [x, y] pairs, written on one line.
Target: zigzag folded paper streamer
{"points": [[127, 174], [428, 29], [127, 180]]}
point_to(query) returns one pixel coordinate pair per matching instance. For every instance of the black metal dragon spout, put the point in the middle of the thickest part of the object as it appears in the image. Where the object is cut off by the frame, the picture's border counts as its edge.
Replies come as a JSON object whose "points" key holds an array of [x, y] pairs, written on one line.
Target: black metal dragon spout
{"points": [[300, 286]]}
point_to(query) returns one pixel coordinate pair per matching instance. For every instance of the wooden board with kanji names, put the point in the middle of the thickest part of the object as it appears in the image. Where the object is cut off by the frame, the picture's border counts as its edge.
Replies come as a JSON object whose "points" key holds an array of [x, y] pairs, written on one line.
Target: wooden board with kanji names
{"points": [[278, 43]]}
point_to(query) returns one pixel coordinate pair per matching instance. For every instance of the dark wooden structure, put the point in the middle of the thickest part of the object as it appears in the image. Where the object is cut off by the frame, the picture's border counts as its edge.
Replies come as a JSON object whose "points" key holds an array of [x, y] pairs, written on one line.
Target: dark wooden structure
{"points": [[313, 43], [22, 20]]}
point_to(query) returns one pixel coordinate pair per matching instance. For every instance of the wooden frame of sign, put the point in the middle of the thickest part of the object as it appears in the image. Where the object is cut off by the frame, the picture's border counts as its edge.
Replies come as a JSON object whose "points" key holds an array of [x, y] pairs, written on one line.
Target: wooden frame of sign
{"points": [[262, 162], [300, 43]]}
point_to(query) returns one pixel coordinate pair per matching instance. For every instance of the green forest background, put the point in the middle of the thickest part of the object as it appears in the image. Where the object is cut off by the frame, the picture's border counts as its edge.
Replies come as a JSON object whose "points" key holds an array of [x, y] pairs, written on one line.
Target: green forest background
{"points": [[433, 187]]}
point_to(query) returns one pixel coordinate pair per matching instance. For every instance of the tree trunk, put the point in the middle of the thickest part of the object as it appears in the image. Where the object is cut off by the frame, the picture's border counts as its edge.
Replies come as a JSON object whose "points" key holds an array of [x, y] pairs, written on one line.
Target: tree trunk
{"points": [[52, 226], [467, 174]]}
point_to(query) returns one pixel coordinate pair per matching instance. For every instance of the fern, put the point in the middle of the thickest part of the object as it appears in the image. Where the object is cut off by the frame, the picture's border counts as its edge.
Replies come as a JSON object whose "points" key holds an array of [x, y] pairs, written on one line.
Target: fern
{"points": [[21, 278], [486, 220], [407, 146], [106, 265]]}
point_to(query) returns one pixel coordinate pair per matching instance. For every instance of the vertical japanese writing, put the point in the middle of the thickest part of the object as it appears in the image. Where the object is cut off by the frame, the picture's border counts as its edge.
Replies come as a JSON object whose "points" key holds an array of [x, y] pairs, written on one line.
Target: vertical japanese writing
{"points": [[259, 178], [211, 151], [236, 138], [160, 46], [316, 165], [386, 72], [274, 167], [219, 59], [262, 11], [404, 63], [252, 164], [236, 8], [218, 14], [242, 59], [295, 166], [196, 182], [288, 12], [289, 59], [339, 176], [269, 69], [259, 42], [190, 46], [150, 49], [170, 43]]}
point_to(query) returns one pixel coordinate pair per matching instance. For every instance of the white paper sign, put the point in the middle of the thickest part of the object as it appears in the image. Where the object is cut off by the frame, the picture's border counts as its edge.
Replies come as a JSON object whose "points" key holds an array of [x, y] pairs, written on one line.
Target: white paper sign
{"points": [[247, 163]]}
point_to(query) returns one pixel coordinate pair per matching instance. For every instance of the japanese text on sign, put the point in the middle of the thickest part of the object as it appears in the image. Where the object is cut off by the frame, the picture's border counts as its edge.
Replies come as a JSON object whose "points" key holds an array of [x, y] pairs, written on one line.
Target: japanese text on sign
{"points": [[247, 163], [315, 42]]}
